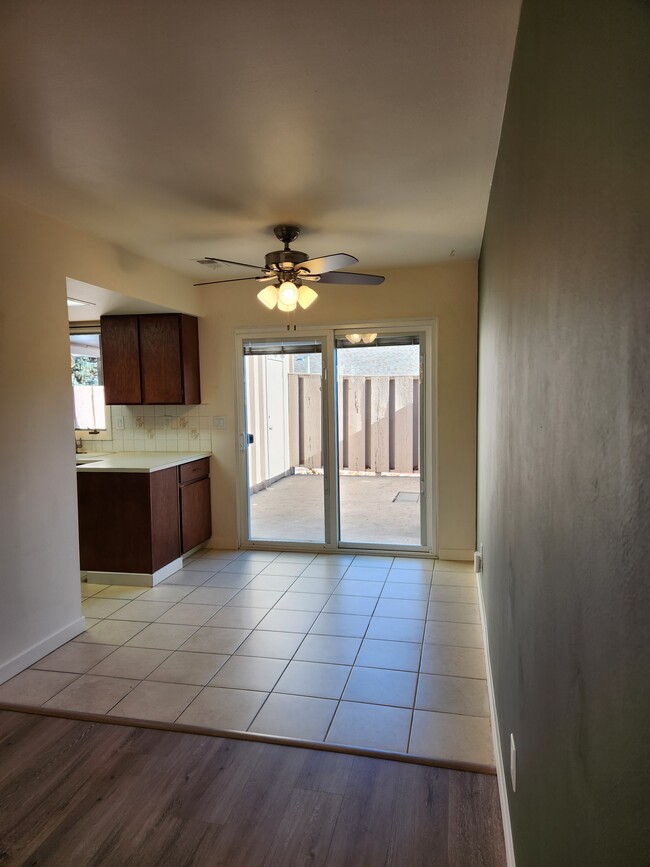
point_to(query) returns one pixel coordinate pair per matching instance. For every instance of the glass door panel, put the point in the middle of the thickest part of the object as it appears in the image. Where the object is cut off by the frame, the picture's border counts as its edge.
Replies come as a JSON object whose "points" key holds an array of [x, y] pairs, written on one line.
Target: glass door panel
{"points": [[283, 396], [379, 454]]}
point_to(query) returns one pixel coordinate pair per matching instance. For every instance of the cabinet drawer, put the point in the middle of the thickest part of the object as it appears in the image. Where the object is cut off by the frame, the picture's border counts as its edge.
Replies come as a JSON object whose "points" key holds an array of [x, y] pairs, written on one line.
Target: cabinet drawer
{"points": [[194, 470]]}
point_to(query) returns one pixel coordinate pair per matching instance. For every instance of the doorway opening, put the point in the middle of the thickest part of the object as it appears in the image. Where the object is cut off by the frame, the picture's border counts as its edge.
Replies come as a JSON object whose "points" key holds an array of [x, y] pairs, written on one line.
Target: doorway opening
{"points": [[283, 440], [336, 427]]}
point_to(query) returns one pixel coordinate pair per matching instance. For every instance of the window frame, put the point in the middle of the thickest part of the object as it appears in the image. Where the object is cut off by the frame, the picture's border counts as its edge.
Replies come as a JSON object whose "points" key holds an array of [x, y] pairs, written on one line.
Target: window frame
{"points": [[84, 433]]}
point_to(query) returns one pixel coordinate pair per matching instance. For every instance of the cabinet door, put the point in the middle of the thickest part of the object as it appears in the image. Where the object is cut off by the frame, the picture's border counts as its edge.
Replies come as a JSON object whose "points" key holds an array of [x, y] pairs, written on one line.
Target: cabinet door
{"points": [[115, 522], [165, 531], [190, 352], [160, 358], [121, 359], [196, 521]]}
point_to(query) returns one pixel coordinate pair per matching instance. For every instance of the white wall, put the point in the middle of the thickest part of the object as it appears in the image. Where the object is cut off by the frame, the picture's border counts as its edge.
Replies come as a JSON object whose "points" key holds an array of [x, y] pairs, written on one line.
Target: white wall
{"points": [[39, 557]]}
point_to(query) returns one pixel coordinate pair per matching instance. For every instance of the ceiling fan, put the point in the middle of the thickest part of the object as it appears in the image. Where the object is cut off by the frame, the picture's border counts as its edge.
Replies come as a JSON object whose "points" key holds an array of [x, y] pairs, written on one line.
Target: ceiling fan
{"points": [[288, 270]]}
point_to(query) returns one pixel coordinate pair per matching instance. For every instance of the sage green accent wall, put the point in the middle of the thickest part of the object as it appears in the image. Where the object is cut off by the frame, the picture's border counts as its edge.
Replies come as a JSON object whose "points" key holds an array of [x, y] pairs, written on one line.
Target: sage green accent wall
{"points": [[564, 421]]}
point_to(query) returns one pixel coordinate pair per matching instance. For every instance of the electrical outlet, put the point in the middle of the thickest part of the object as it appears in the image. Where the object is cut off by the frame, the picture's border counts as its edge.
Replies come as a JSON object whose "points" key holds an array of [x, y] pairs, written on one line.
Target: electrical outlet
{"points": [[119, 422], [513, 763], [219, 422]]}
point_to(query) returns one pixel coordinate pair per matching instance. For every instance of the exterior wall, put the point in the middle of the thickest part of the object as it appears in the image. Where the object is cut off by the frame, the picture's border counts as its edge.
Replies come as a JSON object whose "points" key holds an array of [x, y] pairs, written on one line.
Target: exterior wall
{"points": [[564, 433]]}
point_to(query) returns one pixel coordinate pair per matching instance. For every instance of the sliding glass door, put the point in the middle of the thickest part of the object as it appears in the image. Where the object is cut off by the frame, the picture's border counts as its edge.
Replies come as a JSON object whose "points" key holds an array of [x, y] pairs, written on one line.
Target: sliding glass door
{"points": [[358, 395], [282, 440], [378, 379]]}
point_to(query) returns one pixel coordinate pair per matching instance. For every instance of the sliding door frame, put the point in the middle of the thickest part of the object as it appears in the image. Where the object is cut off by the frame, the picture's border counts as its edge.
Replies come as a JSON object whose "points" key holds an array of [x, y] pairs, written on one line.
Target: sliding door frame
{"points": [[426, 329]]}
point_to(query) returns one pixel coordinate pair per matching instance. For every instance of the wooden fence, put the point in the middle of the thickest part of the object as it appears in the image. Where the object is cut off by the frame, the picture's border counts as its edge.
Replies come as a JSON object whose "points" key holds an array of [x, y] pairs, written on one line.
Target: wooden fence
{"points": [[378, 422]]}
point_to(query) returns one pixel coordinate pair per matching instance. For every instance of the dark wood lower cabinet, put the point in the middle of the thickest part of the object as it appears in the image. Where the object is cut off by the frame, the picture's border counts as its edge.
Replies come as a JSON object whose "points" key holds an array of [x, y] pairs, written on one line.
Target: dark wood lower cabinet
{"points": [[140, 522], [196, 520], [128, 522]]}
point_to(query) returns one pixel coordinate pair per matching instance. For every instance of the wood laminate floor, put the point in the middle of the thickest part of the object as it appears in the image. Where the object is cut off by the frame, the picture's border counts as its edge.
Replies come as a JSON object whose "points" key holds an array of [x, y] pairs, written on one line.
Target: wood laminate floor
{"points": [[80, 794]]}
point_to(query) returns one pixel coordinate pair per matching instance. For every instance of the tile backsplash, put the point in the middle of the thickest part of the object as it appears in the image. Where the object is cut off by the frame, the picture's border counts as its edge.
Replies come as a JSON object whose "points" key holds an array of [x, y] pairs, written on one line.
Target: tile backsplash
{"points": [[157, 429]]}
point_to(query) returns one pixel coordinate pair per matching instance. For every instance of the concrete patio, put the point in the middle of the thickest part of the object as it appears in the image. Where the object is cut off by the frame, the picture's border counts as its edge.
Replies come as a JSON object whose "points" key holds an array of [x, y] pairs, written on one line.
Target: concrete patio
{"points": [[292, 510]]}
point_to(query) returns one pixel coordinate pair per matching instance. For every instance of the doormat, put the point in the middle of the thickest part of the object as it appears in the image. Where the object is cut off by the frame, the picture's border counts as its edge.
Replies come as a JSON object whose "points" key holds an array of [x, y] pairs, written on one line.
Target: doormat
{"points": [[406, 497]]}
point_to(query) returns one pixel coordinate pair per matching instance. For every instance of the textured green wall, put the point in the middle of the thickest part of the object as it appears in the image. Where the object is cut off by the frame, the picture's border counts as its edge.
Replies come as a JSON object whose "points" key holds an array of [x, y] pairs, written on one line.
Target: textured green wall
{"points": [[564, 442]]}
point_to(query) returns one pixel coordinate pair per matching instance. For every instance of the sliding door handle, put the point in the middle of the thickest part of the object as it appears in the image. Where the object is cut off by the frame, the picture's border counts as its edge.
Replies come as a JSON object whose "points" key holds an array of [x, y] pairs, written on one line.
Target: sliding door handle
{"points": [[245, 439]]}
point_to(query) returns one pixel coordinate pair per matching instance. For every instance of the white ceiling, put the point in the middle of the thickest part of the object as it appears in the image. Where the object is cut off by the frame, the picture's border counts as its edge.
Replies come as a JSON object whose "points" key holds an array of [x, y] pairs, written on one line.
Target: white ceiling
{"points": [[99, 301], [188, 129]]}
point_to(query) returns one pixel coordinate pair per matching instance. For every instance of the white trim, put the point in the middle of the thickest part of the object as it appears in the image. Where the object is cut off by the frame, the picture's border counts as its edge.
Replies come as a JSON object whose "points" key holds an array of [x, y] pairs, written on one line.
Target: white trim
{"points": [[37, 651], [463, 554], [496, 741], [136, 579]]}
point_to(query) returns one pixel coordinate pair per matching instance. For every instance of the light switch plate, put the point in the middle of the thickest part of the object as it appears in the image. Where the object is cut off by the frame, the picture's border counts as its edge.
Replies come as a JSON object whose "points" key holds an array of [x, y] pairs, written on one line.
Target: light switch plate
{"points": [[219, 422]]}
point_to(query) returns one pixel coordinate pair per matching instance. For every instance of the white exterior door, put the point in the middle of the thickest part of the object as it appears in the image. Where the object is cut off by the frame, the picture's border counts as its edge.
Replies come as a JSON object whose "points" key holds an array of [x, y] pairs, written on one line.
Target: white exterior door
{"points": [[277, 441]]}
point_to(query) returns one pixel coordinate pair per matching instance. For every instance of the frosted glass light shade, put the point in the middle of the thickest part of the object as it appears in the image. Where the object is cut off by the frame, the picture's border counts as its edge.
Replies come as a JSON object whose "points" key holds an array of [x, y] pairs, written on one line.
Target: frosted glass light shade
{"points": [[288, 294], [269, 296], [353, 338], [286, 308], [306, 296], [369, 338]]}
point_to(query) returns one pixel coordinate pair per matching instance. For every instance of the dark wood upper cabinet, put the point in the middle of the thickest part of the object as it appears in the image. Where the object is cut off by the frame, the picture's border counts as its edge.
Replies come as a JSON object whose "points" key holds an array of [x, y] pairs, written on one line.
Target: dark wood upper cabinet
{"points": [[151, 359], [121, 359], [161, 364]]}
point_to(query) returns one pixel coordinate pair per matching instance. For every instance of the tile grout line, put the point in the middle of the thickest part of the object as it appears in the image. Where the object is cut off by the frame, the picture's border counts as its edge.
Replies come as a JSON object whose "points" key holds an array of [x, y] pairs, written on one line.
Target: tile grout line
{"points": [[270, 692], [292, 658], [417, 679], [338, 704], [330, 596]]}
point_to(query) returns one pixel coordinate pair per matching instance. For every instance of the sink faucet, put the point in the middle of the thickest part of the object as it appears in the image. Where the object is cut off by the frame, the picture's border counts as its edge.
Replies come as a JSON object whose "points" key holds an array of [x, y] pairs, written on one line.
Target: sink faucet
{"points": [[79, 446]]}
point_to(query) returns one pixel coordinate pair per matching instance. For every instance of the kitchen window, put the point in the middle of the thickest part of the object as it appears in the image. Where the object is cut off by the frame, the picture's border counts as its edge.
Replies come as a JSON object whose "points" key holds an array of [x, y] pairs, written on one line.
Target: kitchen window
{"points": [[91, 415]]}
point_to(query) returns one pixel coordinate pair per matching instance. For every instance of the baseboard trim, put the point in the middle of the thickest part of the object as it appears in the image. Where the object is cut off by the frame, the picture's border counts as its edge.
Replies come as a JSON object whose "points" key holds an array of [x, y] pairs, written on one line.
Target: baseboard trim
{"points": [[498, 756], [37, 651], [136, 579], [456, 553]]}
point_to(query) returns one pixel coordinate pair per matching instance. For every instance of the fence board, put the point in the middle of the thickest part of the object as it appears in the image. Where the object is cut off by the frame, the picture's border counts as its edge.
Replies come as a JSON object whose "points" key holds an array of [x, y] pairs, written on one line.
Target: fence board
{"points": [[356, 423], [311, 420], [294, 419], [341, 423], [403, 424], [379, 424]]}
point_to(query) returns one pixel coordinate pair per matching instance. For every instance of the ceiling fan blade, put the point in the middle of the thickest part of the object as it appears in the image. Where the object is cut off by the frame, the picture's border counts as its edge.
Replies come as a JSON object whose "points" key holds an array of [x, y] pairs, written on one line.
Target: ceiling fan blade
{"points": [[328, 263], [210, 260], [235, 280], [349, 279]]}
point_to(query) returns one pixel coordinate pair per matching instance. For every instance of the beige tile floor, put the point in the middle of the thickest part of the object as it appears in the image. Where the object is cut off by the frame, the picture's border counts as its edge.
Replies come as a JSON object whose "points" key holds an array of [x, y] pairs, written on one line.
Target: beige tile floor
{"points": [[373, 652]]}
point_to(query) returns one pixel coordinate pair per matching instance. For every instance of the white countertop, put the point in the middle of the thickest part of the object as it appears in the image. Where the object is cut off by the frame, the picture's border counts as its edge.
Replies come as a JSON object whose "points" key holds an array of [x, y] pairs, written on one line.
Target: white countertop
{"points": [[137, 462]]}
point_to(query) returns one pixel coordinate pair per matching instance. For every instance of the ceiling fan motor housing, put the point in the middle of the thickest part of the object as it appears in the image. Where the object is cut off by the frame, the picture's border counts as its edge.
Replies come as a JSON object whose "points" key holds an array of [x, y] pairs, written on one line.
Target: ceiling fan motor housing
{"points": [[285, 260]]}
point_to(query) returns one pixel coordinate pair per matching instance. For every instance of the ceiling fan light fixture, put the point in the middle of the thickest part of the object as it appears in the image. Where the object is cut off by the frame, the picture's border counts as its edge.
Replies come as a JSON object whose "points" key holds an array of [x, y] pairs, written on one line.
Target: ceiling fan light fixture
{"points": [[288, 294], [286, 308], [269, 296], [306, 296]]}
